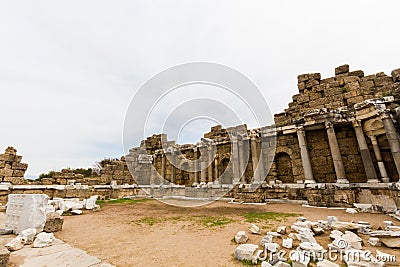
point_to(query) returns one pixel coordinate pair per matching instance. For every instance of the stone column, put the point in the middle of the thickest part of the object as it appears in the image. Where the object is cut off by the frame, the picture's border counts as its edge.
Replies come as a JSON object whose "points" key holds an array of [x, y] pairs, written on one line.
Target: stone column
{"points": [[235, 159], [379, 159], [172, 161], [203, 157], [336, 156], [305, 157], [196, 168], [242, 166], [364, 151], [216, 177], [210, 166], [163, 170], [392, 138], [254, 160]]}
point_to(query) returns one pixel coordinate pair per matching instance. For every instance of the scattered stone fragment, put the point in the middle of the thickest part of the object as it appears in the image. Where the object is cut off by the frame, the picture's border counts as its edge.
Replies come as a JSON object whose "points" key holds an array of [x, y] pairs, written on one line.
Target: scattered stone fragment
{"points": [[90, 203], [265, 264], [332, 219], [326, 263], [76, 212], [274, 234], [245, 252], [363, 207], [28, 235], [6, 231], [43, 240], [317, 230], [54, 222], [287, 243], [386, 224], [272, 247], [390, 242], [15, 244], [375, 263], [241, 237], [335, 234], [281, 230], [301, 262], [254, 229], [311, 247], [266, 239], [351, 210], [4, 256], [374, 241], [301, 219], [281, 264]]}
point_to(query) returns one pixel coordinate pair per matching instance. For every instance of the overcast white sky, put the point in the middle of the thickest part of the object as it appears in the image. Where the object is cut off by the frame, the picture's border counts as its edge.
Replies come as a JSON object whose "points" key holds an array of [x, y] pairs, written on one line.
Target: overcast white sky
{"points": [[68, 69]]}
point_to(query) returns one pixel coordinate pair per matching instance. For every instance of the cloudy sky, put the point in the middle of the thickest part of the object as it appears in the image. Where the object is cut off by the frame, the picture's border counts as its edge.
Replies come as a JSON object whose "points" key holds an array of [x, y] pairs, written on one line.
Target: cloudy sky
{"points": [[69, 69]]}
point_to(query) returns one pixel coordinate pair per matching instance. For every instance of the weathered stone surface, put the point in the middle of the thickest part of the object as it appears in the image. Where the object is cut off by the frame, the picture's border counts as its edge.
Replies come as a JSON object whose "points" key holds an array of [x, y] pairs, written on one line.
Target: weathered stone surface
{"points": [[4, 256], [54, 222], [326, 263], [374, 241], [241, 237], [342, 69], [28, 235], [90, 203], [254, 229], [396, 75], [15, 244], [26, 211], [43, 240], [245, 252], [390, 242], [287, 243]]}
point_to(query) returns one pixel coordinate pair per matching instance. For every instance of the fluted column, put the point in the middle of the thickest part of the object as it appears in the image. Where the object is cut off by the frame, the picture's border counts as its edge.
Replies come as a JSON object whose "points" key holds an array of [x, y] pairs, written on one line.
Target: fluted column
{"points": [[305, 157], [392, 138], [379, 160], [365, 155], [242, 167], [235, 159], [336, 155]]}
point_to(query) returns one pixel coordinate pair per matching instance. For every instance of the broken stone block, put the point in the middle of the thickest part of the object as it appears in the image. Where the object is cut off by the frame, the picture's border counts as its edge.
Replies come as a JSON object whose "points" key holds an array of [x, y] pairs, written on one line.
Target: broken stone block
{"points": [[28, 235], [311, 247], [332, 219], [342, 69], [352, 239], [90, 203], [15, 244], [245, 252], [387, 223], [301, 219], [281, 230], [265, 264], [54, 222], [335, 234], [375, 263], [287, 243], [396, 75], [351, 210], [363, 207], [4, 256], [254, 229], [390, 242], [76, 212], [282, 264], [4, 231], [266, 239], [26, 211], [43, 240], [317, 230], [241, 237], [374, 241], [302, 262], [273, 247], [326, 263]]}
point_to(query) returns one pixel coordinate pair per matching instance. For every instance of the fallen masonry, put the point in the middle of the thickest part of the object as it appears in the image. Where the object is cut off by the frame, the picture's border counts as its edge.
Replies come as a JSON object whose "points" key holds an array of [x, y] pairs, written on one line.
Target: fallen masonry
{"points": [[302, 247]]}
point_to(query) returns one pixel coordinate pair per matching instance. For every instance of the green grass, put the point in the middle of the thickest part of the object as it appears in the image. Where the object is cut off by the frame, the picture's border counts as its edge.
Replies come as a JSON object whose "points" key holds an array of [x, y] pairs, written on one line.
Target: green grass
{"points": [[247, 263], [205, 221], [121, 201], [260, 217]]}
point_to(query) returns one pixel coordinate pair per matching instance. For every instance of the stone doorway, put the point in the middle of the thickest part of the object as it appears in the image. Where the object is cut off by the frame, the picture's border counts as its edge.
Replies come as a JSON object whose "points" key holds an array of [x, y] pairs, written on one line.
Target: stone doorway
{"points": [[284, 167]]}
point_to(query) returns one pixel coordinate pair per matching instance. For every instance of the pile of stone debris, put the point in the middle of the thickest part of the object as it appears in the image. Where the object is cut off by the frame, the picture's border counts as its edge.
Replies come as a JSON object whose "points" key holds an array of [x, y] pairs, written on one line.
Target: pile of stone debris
{"points": [[34, 218], [346, 244]]}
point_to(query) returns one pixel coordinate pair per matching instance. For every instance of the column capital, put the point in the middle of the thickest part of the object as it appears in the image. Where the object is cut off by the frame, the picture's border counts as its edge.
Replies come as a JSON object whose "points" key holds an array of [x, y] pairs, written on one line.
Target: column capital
{"points": [[328, 124], [385, 114], [356, 123]]}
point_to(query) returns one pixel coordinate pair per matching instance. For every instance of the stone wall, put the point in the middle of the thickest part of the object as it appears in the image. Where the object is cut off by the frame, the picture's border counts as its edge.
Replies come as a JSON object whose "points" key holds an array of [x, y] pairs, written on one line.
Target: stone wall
{"points": [[11, 168], [337, 129], [115, 170]]}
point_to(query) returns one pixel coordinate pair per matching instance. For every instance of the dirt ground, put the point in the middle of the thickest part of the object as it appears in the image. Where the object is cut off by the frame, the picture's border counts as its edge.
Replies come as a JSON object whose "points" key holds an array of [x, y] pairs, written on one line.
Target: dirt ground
{"points": [[152, 233]]}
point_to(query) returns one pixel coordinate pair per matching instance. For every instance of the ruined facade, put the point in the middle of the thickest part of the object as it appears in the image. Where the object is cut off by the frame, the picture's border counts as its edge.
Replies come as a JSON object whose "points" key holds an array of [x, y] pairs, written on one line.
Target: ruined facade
{"points": [[342, 129], [11, 168]]}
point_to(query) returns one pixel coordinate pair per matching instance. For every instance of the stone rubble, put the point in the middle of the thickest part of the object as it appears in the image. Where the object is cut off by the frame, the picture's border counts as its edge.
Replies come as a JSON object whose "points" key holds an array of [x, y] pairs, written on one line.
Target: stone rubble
{"points": [[345, 240], [254, 229], [241, 237], [43, 240]]}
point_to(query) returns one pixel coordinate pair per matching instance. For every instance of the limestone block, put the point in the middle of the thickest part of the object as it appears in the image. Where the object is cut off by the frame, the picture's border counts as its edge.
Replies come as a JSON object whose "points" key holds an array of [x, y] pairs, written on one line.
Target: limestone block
{"points": [[28, 235], [241, 237], [287, 243], [374, 241], [326, 263], [15, 244], [266, 239], [4, 256], [254, 229], [246, 252], [358, 73], [43, 240], [20, 166], [54, 222], [396, 75], [90, 203], [26, 211], [342, 69]]}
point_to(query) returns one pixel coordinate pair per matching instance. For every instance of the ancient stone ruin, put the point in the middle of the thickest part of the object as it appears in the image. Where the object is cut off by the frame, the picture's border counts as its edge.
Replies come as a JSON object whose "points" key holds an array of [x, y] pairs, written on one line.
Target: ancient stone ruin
{"points": [[342, 129], [11, 168]]}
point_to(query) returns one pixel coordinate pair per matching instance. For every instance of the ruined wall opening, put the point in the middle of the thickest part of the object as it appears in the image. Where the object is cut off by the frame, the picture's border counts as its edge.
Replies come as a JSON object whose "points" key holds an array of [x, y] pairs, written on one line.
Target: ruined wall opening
{"points": [[284, 167]]}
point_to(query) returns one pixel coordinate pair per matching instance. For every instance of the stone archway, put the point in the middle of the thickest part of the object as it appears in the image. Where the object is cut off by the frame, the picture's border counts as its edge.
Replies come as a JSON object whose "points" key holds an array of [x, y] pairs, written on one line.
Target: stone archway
{"points": [[284, 167]]}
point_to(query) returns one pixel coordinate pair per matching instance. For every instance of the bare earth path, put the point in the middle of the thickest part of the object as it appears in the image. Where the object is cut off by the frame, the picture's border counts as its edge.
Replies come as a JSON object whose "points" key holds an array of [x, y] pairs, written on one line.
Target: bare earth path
{"points": [[152, 233]]}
